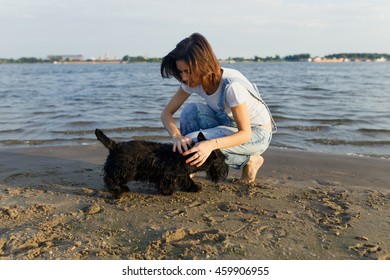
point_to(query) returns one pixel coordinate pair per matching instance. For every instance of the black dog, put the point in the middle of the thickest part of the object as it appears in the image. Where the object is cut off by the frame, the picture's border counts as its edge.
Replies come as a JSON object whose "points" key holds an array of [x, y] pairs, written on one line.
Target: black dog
{"points": [[155, 163]]}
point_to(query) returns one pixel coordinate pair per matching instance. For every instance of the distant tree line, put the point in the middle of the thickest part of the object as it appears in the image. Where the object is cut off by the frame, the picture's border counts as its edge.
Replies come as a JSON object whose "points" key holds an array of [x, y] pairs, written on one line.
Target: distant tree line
{"points": [[298, 57], [23, 60], [276, 58], [138, 59]]}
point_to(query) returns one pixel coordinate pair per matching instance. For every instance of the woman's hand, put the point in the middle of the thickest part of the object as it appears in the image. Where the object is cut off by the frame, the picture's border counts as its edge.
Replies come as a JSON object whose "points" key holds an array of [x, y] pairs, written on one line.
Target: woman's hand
{"points": [[181, 144], [201, 152]]}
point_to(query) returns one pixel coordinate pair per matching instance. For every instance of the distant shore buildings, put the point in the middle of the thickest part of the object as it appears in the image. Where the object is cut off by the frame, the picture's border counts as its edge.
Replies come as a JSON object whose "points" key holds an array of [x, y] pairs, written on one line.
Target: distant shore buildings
{"points": [[74, 59], [343, 59], [61, 58], [321, 59]]}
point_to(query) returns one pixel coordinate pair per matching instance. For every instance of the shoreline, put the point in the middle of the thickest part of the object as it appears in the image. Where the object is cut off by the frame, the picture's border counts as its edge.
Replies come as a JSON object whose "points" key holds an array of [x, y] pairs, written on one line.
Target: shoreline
{"points": [[305, 205], [92, 142], [342, 165]]}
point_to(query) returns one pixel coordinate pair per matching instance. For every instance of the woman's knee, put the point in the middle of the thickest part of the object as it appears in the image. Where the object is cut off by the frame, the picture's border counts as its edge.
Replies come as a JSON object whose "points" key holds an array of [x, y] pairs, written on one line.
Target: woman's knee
{"points": [[189, 118], [197, 116], [190, 111]]}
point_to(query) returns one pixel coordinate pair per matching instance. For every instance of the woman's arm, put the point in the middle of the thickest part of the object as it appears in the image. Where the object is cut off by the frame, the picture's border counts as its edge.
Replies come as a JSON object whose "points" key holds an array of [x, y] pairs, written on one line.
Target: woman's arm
{"points": [[203, 149], [179, 141]]}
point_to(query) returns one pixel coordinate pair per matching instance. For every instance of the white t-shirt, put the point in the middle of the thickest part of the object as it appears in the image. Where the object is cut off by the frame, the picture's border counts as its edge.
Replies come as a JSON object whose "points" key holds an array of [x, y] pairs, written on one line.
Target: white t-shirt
{"points": [[236, 94]]}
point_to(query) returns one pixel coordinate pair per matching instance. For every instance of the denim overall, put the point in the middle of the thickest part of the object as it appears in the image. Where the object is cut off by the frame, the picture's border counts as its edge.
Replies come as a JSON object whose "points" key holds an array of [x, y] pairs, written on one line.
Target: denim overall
{"points": [[197, 117]]}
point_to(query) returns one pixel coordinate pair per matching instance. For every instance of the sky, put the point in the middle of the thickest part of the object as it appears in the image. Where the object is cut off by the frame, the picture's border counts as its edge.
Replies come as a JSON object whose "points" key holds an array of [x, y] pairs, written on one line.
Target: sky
{"points": [[152, 28]]}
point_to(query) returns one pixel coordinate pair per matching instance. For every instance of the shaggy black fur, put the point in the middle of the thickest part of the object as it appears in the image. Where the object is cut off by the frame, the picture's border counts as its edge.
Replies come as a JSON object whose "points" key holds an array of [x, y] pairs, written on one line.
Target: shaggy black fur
{"points": [[155, 163]]}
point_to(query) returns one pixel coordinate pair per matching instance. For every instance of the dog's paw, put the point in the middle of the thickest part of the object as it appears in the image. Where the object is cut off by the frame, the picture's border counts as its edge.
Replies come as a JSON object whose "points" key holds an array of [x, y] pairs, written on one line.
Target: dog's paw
{"points": [[166, 191], [194, 188], [116, 195], [124, 188]]}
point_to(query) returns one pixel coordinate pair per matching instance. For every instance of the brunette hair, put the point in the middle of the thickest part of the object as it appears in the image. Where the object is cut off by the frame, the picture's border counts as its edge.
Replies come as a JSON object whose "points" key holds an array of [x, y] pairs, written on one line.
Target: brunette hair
{"points": [[196, 51]]}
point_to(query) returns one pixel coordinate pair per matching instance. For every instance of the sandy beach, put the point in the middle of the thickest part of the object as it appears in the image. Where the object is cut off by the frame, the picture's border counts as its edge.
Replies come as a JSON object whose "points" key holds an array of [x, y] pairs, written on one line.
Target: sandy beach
{"points": [[304, 205]]}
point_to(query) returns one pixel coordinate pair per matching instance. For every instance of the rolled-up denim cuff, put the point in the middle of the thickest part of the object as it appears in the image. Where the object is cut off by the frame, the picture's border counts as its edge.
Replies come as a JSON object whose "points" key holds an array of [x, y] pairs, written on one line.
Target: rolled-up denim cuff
{"points": [[236, 161]]}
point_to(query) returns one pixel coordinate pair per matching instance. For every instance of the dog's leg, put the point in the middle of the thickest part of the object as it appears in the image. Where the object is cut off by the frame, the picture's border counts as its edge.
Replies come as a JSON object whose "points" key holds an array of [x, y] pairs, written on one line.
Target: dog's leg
{"points": [[164, 190], [217, 172], [189, 185], [117, 187], [166, 185], [124, 187]]}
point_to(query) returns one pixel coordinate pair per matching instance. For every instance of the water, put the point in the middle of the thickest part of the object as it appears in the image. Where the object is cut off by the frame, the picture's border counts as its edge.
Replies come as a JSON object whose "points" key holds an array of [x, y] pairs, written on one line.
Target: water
{"points": [[334, 108]]}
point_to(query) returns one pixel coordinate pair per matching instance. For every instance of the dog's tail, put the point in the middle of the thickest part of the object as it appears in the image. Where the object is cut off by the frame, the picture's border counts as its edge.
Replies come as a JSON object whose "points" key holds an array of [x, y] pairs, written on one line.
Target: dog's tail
{"points": [[107, 142]]}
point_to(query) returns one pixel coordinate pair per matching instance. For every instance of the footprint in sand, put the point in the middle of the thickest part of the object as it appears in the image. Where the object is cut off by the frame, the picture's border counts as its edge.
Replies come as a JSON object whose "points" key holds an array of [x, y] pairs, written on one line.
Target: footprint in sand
{"points": [[366, 249], [186, 244], [330, 209]]}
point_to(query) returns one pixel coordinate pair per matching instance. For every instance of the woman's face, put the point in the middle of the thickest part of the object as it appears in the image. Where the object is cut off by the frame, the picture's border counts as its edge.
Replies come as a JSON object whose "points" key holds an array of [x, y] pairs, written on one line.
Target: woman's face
{"points": [[186, 76]]}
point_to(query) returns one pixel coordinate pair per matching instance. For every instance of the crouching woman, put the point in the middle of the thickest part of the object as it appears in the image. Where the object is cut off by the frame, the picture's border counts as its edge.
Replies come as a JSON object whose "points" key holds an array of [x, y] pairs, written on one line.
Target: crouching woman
{"points": [[234, 118]]}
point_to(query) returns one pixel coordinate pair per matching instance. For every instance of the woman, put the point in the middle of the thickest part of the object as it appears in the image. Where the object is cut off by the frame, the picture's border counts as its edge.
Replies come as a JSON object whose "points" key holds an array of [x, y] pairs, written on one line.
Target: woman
{"points": [[234, 119]]}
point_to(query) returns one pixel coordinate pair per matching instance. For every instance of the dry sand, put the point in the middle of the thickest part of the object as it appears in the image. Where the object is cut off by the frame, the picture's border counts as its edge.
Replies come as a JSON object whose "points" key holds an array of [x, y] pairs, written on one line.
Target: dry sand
{"points": [[53, 205]]}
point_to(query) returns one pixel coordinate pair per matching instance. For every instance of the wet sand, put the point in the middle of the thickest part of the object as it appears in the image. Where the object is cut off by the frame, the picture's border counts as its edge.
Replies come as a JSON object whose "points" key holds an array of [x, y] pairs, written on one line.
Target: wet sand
{"points": [[304, 205]]}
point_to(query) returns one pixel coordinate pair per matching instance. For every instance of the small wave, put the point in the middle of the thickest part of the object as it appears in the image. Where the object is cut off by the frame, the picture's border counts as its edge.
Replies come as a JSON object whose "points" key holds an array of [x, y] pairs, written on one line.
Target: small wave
{"points": [[169, 85], [17, 130], [336, 142], [130, 129], [334, 121], [65, 116], [279, 118], [42, 113], [370, 130], [78, 140], [38, 142], [156, 138], [370, 155], [309, 88], [105, 86], [116, 129], [306, 128], [322, 121], [81, 123], [70, 132], [314, 97]]}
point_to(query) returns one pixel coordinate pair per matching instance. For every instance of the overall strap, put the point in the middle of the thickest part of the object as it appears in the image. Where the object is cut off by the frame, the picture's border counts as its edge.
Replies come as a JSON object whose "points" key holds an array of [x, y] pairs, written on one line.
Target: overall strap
{"points": [[251, 88], [221, 103]]}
